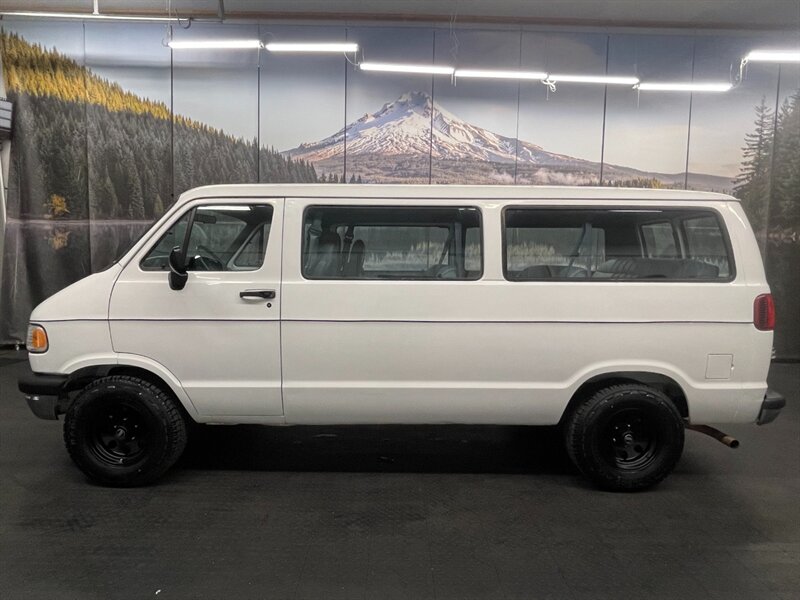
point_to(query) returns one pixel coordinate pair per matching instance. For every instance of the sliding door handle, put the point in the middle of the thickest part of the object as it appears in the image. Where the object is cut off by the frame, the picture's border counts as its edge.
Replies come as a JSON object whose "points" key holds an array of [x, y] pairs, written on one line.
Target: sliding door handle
{"points": [[265, 294]]}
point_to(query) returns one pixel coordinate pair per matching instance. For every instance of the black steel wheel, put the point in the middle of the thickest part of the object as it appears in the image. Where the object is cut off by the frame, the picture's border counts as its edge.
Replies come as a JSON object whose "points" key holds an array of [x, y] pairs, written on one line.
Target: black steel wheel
{"points": [[625, 437], [124, 431]]}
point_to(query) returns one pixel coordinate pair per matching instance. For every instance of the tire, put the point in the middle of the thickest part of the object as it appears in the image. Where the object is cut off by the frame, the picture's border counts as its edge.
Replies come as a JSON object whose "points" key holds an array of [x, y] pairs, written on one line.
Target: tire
{"points": [[625, 438], [123, 431]]}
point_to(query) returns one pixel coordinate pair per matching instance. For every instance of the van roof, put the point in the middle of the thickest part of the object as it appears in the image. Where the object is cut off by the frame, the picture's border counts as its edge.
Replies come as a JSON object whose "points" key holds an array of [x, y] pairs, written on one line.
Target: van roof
{"points": [[467, 192]]}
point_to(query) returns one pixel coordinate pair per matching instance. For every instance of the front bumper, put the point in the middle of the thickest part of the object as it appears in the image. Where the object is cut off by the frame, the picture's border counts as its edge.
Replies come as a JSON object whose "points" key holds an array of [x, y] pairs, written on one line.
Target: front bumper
{"points": [[42, 392], [770, 407]]}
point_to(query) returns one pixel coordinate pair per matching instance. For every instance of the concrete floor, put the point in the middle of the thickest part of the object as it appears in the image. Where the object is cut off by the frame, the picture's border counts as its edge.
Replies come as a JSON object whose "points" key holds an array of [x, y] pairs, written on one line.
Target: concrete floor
{"points": [[399, 512]]}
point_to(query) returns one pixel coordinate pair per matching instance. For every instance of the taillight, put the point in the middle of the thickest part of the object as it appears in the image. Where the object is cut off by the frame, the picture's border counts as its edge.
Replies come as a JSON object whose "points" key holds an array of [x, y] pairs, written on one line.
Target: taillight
{"points": [[764, 312]]}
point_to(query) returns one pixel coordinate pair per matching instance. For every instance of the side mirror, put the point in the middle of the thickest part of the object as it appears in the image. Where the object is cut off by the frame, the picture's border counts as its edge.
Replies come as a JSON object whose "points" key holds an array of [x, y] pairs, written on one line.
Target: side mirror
{"points": [[177, 269]]}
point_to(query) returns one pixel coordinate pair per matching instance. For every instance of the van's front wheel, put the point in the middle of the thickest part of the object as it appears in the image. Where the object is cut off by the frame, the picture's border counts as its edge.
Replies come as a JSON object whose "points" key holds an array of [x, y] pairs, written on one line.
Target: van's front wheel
{"points": [[625, 437], [124, 431]]}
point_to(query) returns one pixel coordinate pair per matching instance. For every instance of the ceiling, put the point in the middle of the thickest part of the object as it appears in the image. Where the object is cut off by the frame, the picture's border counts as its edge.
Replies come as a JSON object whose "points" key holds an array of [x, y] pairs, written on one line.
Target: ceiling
{"points": [[710, 14]]}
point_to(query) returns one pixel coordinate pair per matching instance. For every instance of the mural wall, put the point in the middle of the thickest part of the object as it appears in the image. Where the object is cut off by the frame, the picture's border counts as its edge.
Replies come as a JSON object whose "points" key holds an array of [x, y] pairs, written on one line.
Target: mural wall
{"points": [[112, 125]]}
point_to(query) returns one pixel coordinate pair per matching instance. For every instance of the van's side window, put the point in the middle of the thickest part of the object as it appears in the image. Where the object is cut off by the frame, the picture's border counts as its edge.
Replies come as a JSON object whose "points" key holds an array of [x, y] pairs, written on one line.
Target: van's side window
{"points": [[659, 240], [374, 242], [615, 243], [704, 241], [222, 238], [158, 258]]}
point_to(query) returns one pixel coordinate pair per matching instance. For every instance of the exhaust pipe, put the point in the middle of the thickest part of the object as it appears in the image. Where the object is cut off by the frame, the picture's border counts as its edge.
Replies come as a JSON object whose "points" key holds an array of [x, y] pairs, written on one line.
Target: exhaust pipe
{"points": [[728, 440]]}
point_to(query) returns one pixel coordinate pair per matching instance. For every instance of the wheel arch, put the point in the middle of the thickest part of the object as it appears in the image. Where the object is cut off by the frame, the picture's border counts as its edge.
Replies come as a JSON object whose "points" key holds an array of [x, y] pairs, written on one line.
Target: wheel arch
{"points": [[137, 367], [660, 381]]}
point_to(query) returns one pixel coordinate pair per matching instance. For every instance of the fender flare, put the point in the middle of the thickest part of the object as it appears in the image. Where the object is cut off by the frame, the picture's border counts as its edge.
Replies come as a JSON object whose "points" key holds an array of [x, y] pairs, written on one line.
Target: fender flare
{"points": [[117, 360]]}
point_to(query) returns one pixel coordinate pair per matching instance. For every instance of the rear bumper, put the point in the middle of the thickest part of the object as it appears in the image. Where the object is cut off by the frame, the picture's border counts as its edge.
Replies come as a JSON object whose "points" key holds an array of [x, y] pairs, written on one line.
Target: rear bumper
{"points": [[42, 392], [771, 407]]}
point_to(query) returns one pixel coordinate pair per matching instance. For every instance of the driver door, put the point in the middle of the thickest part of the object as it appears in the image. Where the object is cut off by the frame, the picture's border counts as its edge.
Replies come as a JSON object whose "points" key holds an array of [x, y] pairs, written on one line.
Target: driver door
{"points": [[219, 335]]}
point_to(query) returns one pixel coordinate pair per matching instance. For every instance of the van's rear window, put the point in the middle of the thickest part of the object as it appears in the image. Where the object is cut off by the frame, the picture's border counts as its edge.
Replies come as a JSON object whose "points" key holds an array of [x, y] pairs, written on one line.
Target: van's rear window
{"points": [[377, 242], [615, 243]]}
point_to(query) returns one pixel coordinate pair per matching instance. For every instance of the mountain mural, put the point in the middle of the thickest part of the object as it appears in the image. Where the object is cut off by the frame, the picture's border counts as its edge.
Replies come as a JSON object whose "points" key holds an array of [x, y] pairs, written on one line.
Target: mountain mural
{"points": [[412, 135]]}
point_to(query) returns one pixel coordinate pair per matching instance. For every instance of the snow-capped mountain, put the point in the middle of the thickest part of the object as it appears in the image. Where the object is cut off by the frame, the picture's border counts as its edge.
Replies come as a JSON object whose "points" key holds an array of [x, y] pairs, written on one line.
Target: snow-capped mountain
{"points": [[403, 127], [396, 143]]}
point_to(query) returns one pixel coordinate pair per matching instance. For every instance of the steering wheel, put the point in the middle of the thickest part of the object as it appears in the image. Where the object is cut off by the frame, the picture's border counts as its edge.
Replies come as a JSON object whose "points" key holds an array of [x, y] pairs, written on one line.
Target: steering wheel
{"points": [[208, 259]]}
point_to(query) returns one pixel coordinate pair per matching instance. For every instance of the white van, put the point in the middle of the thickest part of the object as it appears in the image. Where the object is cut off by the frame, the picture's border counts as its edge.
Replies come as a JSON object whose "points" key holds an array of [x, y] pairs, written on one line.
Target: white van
{"points": [[623, 315]]}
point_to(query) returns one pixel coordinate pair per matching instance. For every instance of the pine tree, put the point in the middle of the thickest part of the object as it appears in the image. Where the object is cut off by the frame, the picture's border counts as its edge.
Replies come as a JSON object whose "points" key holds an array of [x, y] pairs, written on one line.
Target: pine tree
{"points": [[786, 176], [103, 198], [752, 185]]}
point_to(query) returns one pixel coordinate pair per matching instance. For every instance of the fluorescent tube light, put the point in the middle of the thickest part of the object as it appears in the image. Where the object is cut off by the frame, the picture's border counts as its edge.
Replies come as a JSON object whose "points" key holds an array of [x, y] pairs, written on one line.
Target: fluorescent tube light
{"points": [[773, 56], [492, 74], [684, 87], [70, 15], [604, 79], [400, 68], [213, 44], [312, 47]]}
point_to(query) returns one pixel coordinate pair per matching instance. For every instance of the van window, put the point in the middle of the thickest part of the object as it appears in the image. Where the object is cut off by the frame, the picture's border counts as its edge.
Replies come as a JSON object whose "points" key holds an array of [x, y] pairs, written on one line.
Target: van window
{"points": [[341, 242], [614, 243], [705, 242], [222, 238], [158, 258], [659, 240]]}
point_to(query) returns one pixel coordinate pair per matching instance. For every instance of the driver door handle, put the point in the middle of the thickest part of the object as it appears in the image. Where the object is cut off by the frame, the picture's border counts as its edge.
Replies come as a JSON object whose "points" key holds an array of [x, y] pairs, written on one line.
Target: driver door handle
{"points": [[265, 294]]}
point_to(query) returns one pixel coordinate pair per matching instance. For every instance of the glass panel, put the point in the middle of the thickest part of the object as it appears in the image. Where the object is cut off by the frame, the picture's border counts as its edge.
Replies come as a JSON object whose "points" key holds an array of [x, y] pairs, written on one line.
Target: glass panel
{"points": [[252, 253], [392, 243], [586, 244], [220, 232], [158, 258], [705, 242], [223, 238], [659, 240]]}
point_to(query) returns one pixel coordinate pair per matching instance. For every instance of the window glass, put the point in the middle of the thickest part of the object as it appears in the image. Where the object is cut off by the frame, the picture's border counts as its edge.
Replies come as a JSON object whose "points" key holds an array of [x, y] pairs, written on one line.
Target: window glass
{"points": [[705, 242], [251, 254], [659, 240], [222, 238], [588, 244], [392, 243], [158, 258]]}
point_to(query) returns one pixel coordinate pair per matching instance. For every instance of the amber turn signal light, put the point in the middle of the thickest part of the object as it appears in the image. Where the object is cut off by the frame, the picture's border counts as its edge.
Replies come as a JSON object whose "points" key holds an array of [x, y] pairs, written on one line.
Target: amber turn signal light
{"points": [[37, 339]]}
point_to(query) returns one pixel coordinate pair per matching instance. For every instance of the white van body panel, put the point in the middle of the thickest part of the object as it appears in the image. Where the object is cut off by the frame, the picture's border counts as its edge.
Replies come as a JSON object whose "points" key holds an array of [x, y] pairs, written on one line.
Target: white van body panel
{"points": [[76, 321], [225, 350], [365, 351], [480, 351]]}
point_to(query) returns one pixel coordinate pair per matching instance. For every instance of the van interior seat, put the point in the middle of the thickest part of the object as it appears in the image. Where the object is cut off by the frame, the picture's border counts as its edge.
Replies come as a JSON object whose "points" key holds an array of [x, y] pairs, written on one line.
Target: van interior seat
{"points": [[655, 268], [551, 272], [325, 262], [354, 267]]}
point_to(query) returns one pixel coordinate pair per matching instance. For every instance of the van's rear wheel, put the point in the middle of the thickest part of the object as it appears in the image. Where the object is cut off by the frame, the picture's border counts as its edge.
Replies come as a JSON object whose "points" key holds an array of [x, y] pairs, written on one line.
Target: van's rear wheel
{"points": [[124, 431], [625, 437]]}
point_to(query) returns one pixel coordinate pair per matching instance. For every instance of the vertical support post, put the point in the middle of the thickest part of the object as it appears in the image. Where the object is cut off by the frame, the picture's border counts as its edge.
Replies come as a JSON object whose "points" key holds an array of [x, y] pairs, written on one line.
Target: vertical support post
{"points": [[5, 161]]}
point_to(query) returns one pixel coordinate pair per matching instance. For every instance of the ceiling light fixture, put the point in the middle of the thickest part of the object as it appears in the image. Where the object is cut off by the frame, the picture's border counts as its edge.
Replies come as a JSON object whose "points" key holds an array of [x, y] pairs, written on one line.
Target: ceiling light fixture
{"points": [[603, 79], [400, 68], [492, 74], [684, 87], [96, 16], [773, 56], [213, 44], [312, 47]]}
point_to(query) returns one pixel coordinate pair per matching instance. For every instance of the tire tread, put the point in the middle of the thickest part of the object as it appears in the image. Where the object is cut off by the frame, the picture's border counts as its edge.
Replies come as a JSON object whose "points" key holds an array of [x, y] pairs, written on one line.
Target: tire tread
{"points": [[168, 412], [580, 419]]}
